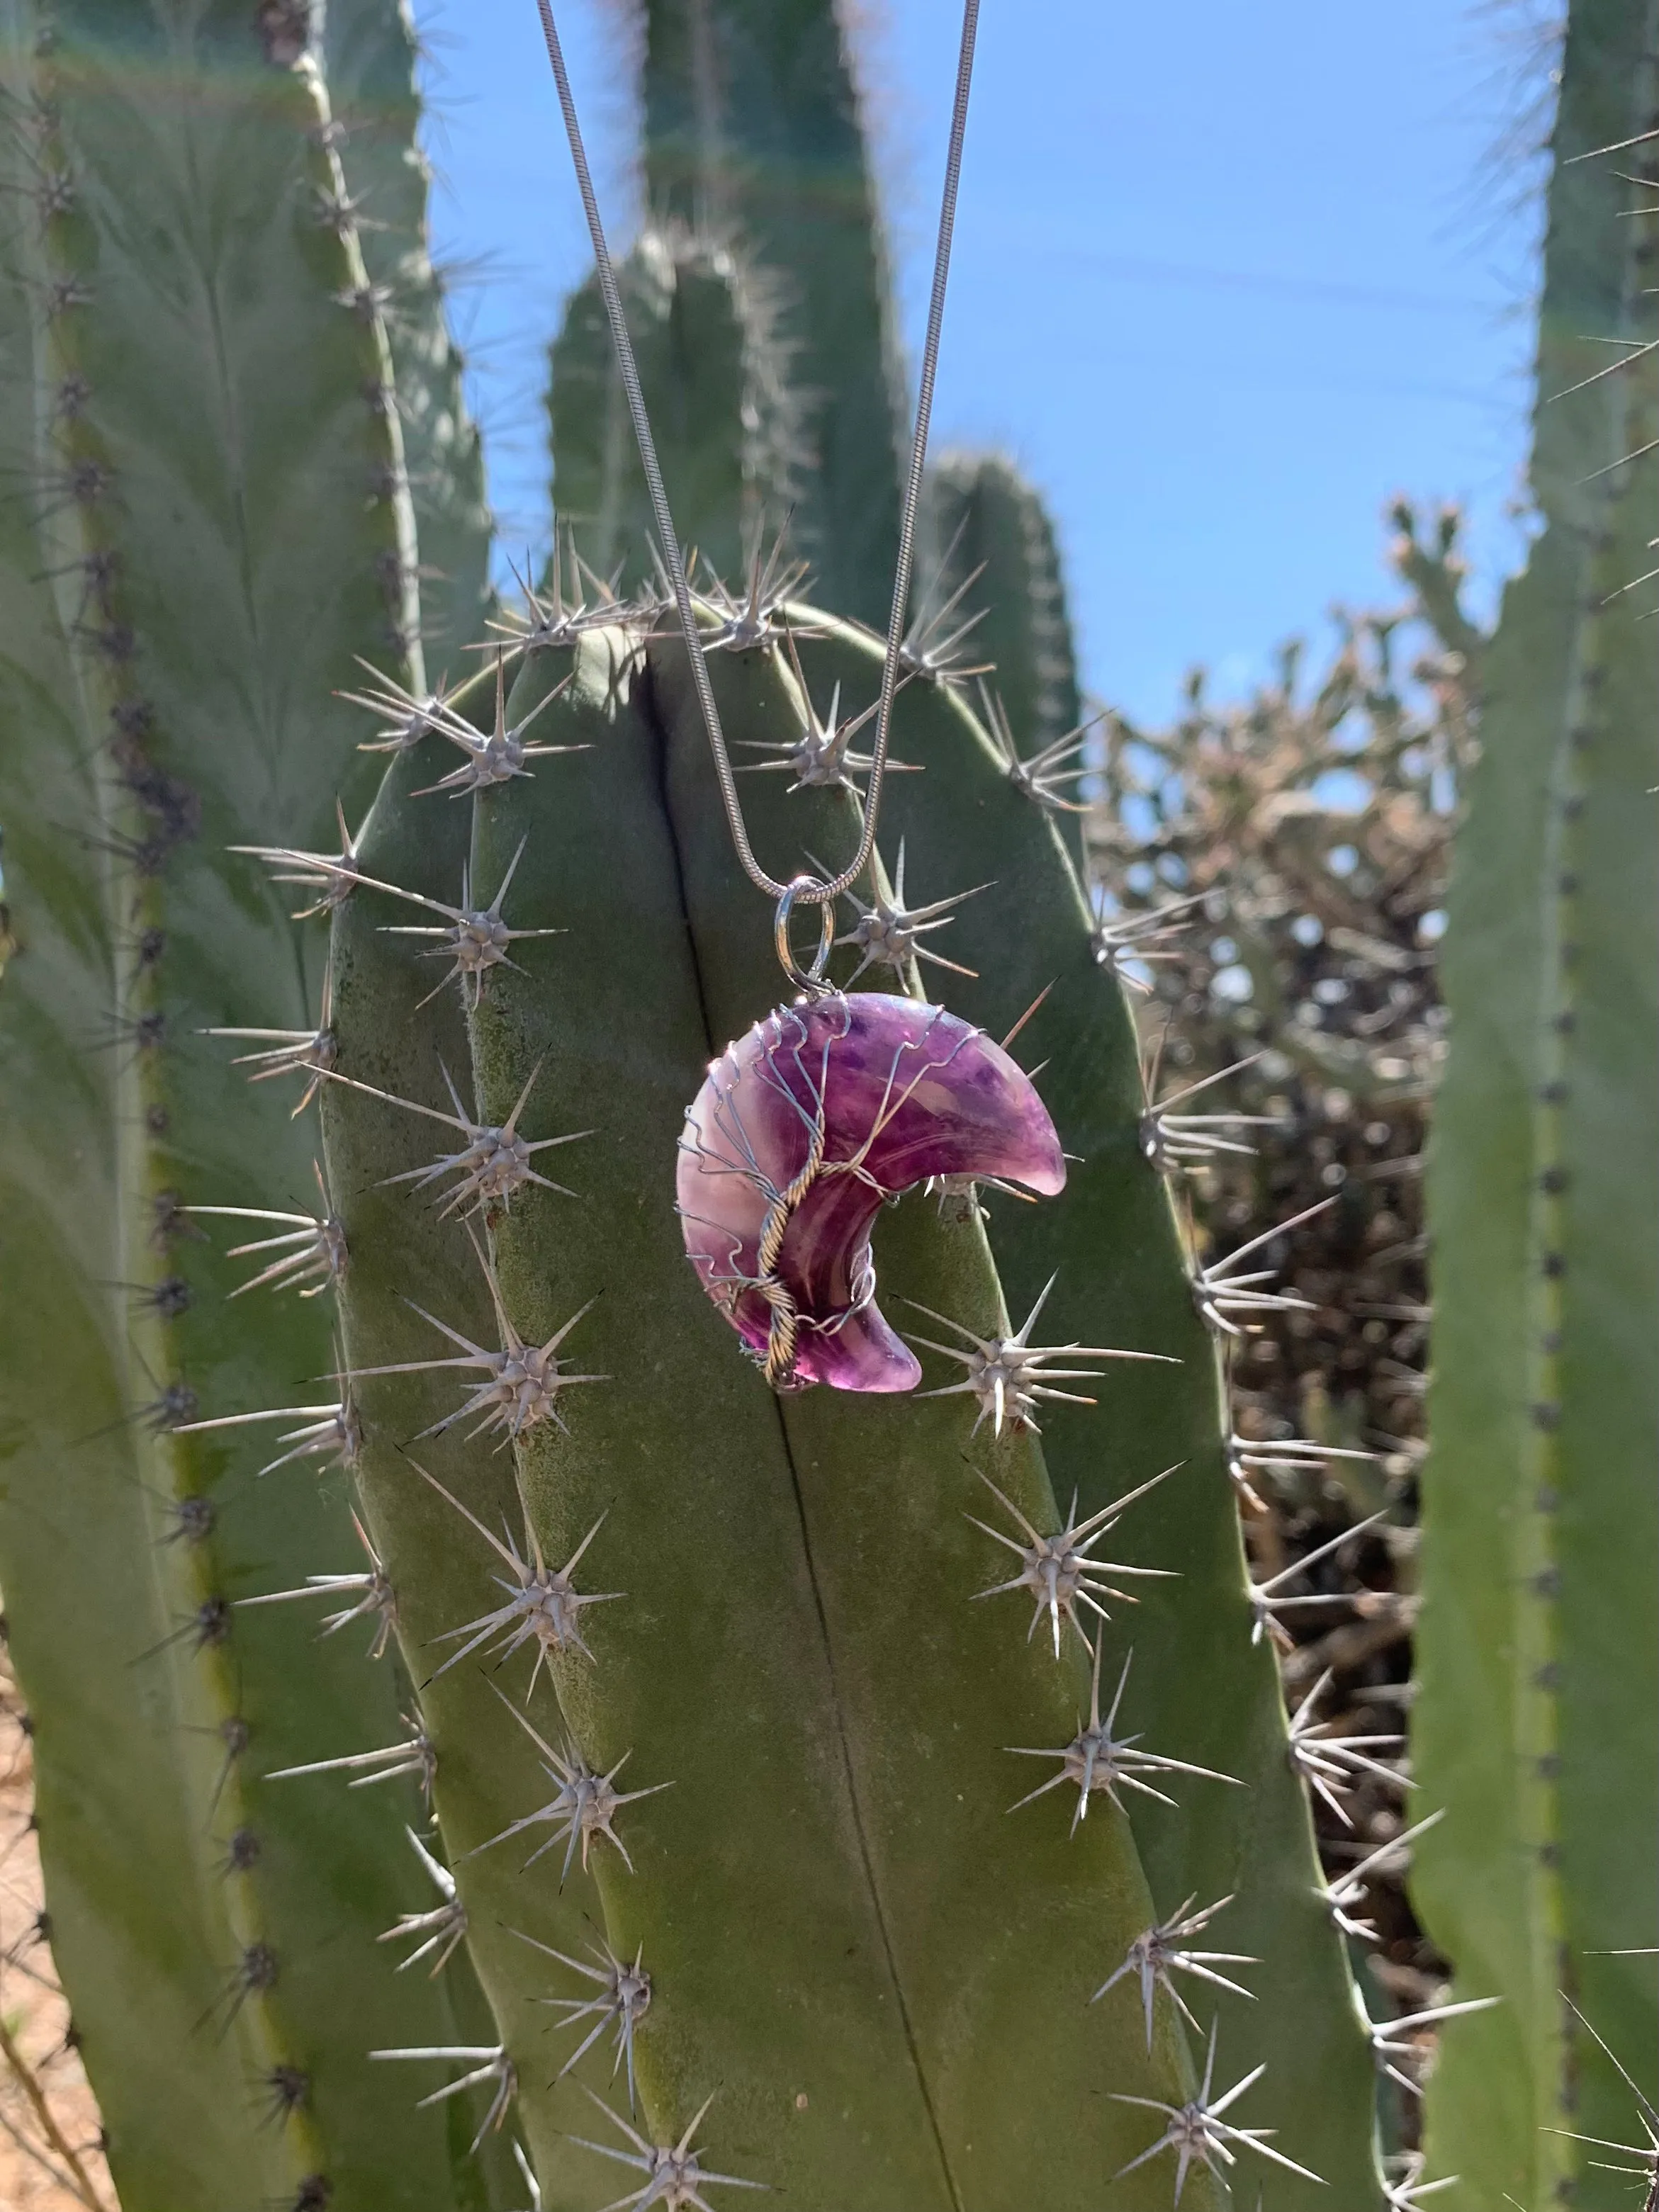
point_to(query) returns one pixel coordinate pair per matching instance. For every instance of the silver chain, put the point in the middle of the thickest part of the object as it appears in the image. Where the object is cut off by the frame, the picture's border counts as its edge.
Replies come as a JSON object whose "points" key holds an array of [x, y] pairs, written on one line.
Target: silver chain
{"points": [[802, 889]]}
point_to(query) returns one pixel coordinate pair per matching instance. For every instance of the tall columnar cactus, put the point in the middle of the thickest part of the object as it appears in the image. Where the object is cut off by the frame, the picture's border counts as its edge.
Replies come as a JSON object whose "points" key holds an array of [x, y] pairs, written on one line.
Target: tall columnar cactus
{"points": [[752, 137], [704, 329], [1538, 1650], [996, 599], [998, 568], [371, 50], [852, 1932], [204, 521]]}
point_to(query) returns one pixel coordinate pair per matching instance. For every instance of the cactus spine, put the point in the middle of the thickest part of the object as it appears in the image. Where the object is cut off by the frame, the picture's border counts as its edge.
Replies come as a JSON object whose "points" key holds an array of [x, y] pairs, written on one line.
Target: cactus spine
{"points": [[1539, 1662]]}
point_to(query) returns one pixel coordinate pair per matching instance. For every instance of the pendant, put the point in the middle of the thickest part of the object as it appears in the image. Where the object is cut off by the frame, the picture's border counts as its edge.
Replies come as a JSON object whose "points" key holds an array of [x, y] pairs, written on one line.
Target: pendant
{"points": [[807, 1126]]}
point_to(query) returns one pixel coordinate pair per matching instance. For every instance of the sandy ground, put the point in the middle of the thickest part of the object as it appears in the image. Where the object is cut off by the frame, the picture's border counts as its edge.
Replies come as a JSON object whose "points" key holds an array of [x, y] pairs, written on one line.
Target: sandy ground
{"points": [[48, 2121]]}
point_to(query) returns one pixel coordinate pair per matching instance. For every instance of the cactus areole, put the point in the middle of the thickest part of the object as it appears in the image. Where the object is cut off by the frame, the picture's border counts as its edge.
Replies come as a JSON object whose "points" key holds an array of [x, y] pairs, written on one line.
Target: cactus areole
{"points": [[804, 1128]]}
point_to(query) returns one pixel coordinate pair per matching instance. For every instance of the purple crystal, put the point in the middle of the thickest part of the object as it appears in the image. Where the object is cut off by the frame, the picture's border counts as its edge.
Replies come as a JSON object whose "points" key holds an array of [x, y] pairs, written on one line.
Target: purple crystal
{"points": [[804, 1129]]}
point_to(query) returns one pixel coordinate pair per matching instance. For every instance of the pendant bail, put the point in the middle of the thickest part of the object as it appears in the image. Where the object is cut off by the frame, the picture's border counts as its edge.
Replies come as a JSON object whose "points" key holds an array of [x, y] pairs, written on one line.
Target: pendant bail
{"points": [[811, 979]]}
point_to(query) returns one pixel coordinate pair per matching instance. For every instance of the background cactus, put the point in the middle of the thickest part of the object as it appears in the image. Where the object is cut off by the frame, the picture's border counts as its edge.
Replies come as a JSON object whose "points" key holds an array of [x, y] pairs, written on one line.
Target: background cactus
{"points": [[1537, 1644], [717, 1735], [996, 566], [370, 54], [752, 135], [727, 417]]}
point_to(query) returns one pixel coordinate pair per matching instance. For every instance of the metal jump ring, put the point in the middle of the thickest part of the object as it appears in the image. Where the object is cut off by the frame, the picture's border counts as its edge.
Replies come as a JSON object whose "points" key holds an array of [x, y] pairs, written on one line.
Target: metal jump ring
{"points": [[813, 978]]}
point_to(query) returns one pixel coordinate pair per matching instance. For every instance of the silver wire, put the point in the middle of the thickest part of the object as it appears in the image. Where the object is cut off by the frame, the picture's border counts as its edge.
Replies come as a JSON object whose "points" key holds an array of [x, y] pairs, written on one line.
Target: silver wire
{"points": [[802, 889]]}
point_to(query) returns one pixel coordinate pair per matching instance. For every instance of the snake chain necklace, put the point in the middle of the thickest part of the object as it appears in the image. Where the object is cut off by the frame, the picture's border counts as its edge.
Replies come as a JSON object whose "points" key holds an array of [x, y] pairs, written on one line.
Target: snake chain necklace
{"points": [[832, 1104]]}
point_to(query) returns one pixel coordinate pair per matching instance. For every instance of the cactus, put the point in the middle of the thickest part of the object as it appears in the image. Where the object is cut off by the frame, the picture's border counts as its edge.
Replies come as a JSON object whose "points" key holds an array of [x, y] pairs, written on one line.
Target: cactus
{"points": [[200, 460], [728, 416], [827, 1651], [1539, 1662], [751, 137], [1301, 991], [997, 568], [1295, 987], [369, 58], [996, 597], [1122, 1277]]}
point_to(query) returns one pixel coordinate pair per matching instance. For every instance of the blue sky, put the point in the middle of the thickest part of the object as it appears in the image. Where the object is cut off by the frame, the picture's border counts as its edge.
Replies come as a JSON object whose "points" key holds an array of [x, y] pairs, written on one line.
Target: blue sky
{"points": [[1226, 277]]}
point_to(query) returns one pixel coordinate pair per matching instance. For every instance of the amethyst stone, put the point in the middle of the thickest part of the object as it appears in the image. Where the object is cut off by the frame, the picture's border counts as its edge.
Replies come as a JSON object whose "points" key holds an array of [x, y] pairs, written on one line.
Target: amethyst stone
{"points": [[804, 1129]]}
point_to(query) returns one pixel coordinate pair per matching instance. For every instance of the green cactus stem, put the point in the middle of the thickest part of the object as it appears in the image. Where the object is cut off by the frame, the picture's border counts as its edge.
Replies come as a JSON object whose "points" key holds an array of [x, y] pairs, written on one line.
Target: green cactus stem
{"points": [[751, 132], [371, 49], [859, 1934], [200, 429], [997, 566], [726, 414], [1025, 945], [1537, 1649], [412, 1241]]}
